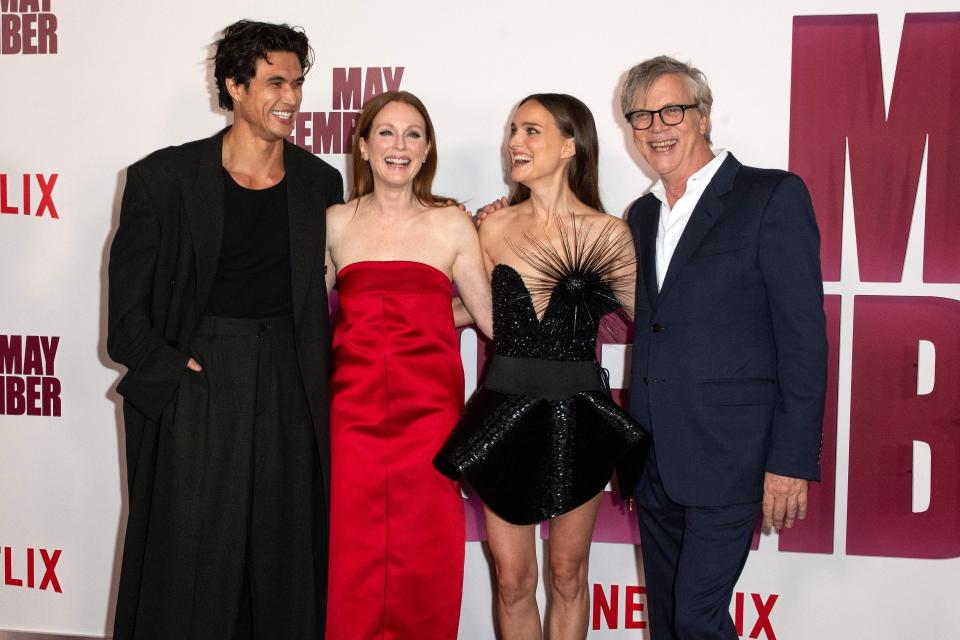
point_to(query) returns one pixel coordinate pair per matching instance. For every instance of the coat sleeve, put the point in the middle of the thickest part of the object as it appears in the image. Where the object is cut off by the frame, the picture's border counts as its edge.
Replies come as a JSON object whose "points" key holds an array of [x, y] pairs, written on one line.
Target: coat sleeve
{"points": [[789, 253], [154, 367], [335, 188]]}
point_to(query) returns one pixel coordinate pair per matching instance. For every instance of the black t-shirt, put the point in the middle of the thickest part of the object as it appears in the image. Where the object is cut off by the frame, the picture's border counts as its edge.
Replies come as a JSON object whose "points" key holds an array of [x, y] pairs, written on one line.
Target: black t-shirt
{"points": [[253, 275]]}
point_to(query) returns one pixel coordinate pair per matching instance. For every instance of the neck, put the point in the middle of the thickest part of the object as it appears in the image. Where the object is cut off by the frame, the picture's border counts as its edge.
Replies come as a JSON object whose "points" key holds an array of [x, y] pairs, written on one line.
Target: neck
{"points": [[248, 154], [552, 197], [676, 185], [393, 198]]}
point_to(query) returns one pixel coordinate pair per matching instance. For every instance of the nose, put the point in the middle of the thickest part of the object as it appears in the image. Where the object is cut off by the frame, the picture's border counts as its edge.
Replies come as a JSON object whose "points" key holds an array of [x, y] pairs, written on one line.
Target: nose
{"points": [[291, 94]]}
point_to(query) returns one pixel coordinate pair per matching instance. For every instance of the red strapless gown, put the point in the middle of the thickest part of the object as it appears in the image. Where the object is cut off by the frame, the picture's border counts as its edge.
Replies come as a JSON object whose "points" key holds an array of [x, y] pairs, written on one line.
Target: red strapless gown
{"points": [[396, 523]]}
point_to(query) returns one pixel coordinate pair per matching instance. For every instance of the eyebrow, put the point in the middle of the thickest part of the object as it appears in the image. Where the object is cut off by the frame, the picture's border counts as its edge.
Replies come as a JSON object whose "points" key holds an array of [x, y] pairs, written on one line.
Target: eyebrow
{"points": [[284, 78]]}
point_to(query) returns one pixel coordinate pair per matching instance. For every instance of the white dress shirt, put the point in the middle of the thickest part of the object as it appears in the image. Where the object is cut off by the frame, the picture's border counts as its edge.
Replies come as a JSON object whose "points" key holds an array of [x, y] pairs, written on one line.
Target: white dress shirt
{"points": [[674, 221]]}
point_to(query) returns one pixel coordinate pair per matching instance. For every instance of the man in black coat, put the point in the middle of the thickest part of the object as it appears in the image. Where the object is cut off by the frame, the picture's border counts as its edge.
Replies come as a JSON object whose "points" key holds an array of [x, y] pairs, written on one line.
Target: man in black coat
{"points": [[218, 309], [729, 358]]}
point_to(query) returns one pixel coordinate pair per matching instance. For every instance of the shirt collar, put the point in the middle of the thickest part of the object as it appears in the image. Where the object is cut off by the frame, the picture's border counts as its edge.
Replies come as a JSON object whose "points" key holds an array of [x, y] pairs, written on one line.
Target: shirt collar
{"points": [[703, 174]]}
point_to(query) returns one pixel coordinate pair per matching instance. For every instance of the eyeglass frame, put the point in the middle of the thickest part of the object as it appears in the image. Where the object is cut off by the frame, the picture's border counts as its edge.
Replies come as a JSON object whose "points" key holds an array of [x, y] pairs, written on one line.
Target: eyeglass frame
{"points": [[659, 113]]}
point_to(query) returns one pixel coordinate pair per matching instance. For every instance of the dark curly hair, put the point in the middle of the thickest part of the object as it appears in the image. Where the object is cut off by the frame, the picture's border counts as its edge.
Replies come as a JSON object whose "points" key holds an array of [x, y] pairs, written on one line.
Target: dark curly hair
{"points": [[244, 42]]}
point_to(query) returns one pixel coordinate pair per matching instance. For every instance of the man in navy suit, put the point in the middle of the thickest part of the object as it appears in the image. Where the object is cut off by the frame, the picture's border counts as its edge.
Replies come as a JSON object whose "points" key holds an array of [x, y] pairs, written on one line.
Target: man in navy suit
{"points": [[729, 360]]}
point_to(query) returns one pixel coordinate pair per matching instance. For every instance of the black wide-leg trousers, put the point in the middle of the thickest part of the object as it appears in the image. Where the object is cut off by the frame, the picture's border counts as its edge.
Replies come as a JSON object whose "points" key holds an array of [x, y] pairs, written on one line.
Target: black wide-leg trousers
{"points": [[235, 546]]}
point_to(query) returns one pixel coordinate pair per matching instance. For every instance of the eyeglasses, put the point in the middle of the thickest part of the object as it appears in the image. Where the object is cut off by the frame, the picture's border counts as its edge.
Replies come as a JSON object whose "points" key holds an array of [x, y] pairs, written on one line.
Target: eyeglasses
{"points": [[672, 115]]}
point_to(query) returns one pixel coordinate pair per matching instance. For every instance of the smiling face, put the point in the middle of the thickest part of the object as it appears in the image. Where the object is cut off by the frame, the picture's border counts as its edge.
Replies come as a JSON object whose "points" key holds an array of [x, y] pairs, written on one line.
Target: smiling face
{"points": [[397, 144], [537, 146], [268, 106], [674, 152]]}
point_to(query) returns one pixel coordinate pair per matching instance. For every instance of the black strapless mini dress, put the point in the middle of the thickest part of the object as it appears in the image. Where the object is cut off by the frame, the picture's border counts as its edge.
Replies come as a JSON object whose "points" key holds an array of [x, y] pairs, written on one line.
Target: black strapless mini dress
{"points": [[542, 435]]}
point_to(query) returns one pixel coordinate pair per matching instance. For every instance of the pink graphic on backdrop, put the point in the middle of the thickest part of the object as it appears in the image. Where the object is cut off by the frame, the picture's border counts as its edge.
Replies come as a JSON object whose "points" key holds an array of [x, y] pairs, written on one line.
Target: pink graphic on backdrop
{"points": [[837, 96], [28, 382], [331, 132], [887, 415], [27, 27]]}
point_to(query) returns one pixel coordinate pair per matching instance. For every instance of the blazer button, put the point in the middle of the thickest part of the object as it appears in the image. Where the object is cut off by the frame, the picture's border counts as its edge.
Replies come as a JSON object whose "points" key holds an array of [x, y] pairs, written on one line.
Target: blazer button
{"points": [[172, 282], [657, 328]]}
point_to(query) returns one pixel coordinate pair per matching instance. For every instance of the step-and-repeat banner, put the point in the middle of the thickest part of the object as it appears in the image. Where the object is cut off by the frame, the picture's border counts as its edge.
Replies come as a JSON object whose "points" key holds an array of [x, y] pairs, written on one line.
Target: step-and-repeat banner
{"points": [[858, 97]]}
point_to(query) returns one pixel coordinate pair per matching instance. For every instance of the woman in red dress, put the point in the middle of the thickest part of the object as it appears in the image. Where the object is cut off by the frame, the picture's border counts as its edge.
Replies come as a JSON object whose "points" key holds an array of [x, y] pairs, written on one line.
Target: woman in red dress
{"points": [[394, 252]]}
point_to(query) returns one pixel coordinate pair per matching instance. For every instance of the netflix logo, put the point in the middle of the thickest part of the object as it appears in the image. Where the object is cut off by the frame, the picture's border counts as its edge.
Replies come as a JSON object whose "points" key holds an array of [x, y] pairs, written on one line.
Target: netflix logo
{"points": [[28, 382], [624, 607], [331, 132], [28, 194], [31, 568], [27, 27]]}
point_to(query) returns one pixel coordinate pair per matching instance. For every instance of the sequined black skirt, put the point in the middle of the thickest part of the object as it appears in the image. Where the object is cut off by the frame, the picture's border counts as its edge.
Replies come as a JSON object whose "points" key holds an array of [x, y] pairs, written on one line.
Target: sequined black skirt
{"points": [[539, 438]]}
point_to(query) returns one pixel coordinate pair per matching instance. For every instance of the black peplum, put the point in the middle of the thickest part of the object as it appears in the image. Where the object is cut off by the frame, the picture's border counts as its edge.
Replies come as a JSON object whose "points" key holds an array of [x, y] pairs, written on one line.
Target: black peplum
{"points": [[541, 436]]}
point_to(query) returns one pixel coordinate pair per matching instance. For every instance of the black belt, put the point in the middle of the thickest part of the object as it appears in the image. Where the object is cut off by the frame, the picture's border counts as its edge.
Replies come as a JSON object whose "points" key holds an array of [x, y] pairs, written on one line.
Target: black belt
{"points": [[549, 379]]}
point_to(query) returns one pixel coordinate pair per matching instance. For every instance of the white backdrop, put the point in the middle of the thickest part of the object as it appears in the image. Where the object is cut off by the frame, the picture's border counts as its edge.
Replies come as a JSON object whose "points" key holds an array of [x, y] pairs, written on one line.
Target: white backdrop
{"points": [[130, 77]]}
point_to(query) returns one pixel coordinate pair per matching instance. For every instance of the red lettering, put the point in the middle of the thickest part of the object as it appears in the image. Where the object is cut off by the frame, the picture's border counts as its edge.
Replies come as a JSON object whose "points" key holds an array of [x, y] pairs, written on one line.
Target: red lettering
{"points": [[29, 5], [46, 195], [837, 100], [11, 354], [738, 613], [302, 131], [33, 395], [14, 396], [326, 134], [47, 32], [9, 5], [763, 616], [30, 568], [8, 578], [10, 40], [346, 88], [32, 356], [392, 77], [373, 83], [49, 347], [815, 533], [887, 415], [50, 570], [26, 194], [4, 207], [609, 609], [51, 397], [349, 124], [634, 608], [29, 35]]}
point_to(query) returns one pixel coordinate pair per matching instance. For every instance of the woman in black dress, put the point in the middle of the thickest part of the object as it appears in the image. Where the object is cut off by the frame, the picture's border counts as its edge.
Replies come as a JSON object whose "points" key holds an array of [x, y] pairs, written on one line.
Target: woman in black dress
{"points": [[540, 438]]}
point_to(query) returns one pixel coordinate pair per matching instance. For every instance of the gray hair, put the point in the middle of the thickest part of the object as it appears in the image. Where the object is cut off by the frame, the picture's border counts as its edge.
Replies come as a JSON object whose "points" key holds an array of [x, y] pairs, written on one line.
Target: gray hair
{"points": [[643, 75]]}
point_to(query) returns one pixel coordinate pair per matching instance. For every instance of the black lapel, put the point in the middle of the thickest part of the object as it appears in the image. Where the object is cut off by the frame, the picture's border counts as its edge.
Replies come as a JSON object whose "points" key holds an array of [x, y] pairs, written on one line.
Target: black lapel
{"points": [[648, 219], [203, 204], [305, 202], [705, 214]]}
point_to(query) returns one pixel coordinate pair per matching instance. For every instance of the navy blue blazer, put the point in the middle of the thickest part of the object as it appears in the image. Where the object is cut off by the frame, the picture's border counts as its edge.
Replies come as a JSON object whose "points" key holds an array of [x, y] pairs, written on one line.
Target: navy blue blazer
{"points": [[729, 361]]}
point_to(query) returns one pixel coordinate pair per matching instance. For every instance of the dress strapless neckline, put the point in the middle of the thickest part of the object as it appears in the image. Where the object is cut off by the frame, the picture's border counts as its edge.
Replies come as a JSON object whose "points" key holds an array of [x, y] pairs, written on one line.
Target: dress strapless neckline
{"points": [[374, 264]]}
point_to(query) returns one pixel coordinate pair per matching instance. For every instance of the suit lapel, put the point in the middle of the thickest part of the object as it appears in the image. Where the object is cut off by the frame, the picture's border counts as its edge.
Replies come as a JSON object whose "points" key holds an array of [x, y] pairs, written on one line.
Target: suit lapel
{"points": [[709, 208], [647, 222], [203, 204], [305, 205]]}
